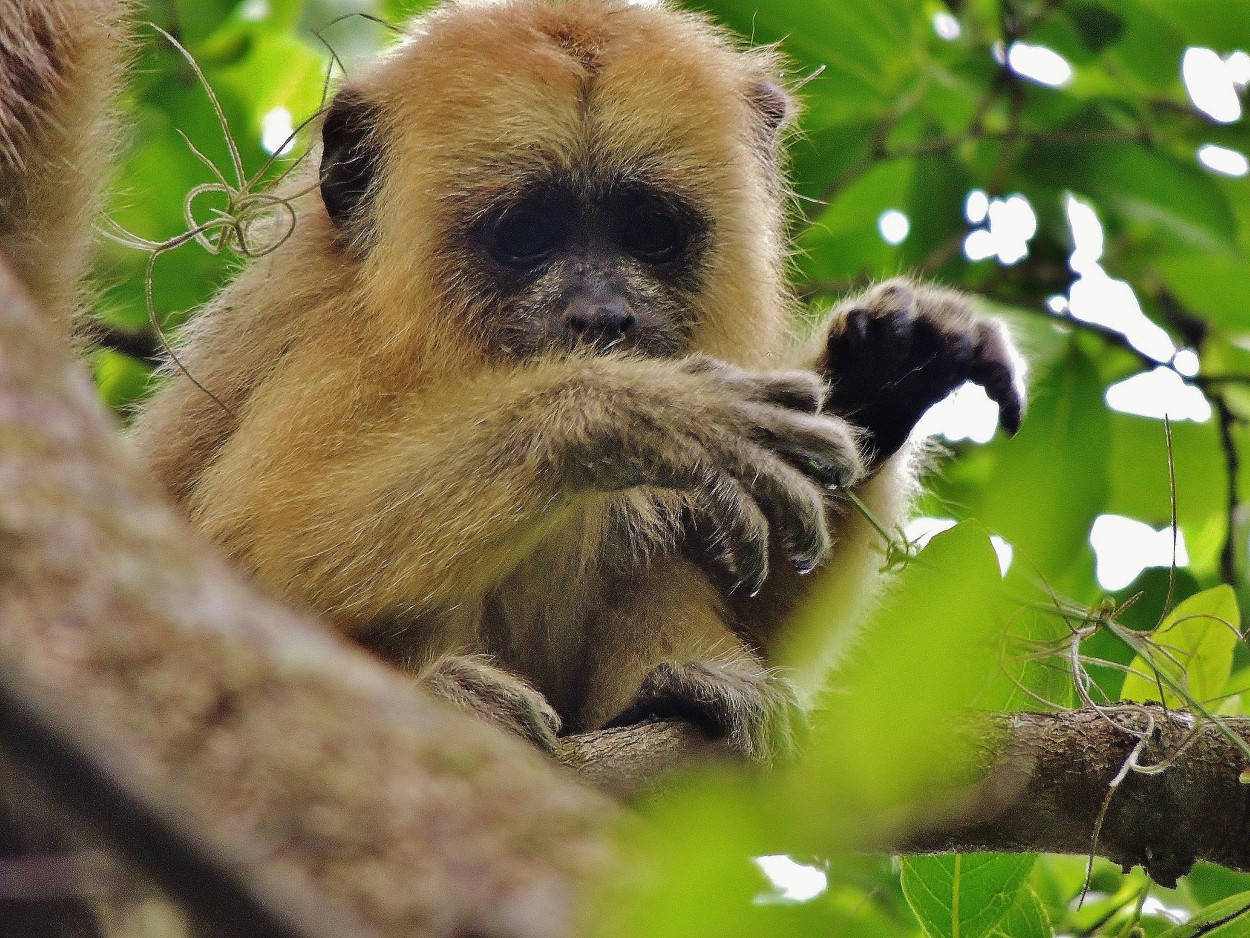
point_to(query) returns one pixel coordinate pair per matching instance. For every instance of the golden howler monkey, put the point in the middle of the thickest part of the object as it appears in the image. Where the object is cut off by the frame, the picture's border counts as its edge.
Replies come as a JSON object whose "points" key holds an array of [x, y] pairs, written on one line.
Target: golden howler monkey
{"points": [[518, 402]]}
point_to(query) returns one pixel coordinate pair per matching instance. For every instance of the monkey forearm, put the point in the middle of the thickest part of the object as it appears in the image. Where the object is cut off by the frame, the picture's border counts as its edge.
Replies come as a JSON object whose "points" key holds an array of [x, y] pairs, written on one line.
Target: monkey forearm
{"points": [[394, 501], [535, 440]]}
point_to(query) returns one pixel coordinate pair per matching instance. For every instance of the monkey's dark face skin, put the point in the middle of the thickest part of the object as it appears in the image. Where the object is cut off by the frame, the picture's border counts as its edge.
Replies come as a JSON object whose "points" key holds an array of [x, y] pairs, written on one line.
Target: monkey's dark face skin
{"points": [[607, 268]]}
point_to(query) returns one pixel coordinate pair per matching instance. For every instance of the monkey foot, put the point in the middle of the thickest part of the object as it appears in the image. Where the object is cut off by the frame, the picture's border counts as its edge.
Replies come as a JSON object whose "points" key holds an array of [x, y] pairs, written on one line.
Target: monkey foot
{"points": [[753, 709], [493, 694]]}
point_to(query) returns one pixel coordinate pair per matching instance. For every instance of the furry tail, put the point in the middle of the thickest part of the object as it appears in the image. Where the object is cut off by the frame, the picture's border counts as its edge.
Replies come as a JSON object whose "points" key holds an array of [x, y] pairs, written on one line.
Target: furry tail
{"points": [[61, 64]]}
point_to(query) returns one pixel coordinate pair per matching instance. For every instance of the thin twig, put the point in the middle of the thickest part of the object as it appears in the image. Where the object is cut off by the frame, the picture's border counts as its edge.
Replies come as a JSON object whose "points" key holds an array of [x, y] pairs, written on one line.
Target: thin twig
{"points": [[1232, 464]]}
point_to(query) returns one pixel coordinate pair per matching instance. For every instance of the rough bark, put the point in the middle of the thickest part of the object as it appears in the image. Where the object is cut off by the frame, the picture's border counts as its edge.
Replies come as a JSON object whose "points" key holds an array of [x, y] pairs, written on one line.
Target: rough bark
{"points": [[1049, 779], [1043, 782]]}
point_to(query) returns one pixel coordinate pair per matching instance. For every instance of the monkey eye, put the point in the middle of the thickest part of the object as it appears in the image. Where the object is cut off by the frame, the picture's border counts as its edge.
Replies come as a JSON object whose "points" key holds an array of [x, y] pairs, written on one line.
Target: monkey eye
{"points": [[528, 234], [652, 231]]}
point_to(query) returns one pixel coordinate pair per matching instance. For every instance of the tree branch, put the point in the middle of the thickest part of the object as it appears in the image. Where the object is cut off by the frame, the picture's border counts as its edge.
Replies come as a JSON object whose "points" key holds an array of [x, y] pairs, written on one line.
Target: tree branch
{"points": [[1048, 780], [1042, 784]]}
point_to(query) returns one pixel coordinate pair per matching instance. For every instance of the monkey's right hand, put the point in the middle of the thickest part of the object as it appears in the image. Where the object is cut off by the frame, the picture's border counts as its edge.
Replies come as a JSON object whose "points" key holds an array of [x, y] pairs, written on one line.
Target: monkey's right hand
{"points": [[495, 695], [751, 453]]}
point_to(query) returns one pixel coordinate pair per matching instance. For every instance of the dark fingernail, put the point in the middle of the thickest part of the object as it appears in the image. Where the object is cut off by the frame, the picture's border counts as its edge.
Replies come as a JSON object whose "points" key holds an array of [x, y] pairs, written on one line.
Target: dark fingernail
{"points": [[1011, 419], [756, 583], [805, 563]]}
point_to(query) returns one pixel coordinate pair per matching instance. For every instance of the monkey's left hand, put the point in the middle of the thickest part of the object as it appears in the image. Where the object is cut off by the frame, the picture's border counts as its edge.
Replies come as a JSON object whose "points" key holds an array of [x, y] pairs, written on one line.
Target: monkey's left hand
{"points": [[898, 349], [752, 708]]}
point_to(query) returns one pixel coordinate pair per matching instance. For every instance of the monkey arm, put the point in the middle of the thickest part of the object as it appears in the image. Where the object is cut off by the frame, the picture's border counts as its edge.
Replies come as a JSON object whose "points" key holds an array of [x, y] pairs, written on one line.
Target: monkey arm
{"points": [[888, 356], [336, 499], [732, 697]]}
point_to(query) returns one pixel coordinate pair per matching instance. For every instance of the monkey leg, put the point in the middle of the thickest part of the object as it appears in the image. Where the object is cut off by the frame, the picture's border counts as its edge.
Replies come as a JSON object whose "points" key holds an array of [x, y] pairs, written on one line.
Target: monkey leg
{"points": [[473, 684], [664, 649], [898, 349]]}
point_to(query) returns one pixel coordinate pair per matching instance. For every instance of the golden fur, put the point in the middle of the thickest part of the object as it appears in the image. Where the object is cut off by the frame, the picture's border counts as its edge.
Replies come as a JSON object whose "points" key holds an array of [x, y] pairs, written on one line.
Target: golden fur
{"points": [[60, 68], [370, 455], [369, 464]]}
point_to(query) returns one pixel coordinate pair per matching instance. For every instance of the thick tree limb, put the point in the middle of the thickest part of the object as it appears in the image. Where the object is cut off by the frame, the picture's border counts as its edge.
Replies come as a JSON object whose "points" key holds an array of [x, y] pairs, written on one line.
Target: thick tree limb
{"points": [[1049, 781], [1043, 782], [633, 760], [252, 760]]}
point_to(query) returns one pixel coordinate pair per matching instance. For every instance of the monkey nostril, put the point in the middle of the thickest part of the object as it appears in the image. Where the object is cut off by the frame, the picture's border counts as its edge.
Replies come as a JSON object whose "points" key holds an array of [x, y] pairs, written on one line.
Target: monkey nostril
{"points": [[600, 322]]}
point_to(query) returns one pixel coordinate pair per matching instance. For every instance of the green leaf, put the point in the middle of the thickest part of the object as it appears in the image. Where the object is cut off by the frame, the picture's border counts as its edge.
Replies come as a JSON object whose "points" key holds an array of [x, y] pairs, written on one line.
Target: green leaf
{"points": [[1096, 25], [1229, 918], [1138, 465], [121, 379], [964, 895], [1025, 919], [1026, 678], [1215, 287], [843, 242], [1209, 883], [1236, 696], [868, 50], [1154, 587], [1139, 469], [1176, 199], [200, 19], [1221, 24], [1051, 480], [396, 11], [935, 209], [889, 731], [1196, 643], [279, 70], [1151, 47], [820, 156]]}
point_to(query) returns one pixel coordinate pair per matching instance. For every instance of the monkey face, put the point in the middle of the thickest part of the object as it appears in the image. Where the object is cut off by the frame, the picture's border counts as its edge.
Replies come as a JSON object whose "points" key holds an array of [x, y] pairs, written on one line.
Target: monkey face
{"points": [[583, 174], [603, 267]]}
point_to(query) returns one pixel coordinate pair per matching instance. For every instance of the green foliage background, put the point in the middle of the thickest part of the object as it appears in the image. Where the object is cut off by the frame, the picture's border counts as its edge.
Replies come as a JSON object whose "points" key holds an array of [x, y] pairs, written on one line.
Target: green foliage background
{"points": [[899, 119]]}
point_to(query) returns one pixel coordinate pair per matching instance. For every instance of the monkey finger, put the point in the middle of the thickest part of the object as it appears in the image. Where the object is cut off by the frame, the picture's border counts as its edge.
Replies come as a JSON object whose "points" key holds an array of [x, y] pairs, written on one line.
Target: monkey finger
{"points": [[1001, 389], [895, 293], [994, 368], [796, 390], [734, 531], [902, 334], [854, 332], [701, 363], [751, 708], [495, 695], [794, 507], [825, 448]]}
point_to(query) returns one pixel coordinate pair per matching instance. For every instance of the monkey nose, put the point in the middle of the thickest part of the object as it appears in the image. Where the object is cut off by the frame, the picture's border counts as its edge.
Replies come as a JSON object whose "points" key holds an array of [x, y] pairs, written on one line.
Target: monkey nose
{"points": [[601, 322]]}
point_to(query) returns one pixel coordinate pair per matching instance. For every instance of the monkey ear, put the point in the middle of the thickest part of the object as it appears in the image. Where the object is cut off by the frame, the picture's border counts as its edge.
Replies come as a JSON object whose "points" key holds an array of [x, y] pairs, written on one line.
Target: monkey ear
{"points": [[773, 105], [350, 158]]}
